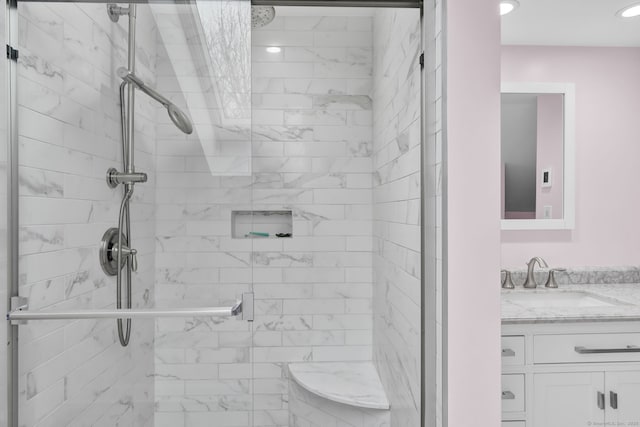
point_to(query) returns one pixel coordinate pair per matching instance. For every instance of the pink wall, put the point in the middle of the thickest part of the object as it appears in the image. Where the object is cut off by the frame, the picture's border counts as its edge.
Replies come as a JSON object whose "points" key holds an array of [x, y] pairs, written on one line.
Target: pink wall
{"points": [[473, 203], [550, 154], [607, 83]]}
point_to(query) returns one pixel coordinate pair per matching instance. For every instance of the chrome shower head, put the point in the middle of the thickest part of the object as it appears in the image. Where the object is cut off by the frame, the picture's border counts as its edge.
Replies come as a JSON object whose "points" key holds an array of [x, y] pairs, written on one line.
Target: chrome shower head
{"points": [[262, 15], [177, 116], [180, 119]]}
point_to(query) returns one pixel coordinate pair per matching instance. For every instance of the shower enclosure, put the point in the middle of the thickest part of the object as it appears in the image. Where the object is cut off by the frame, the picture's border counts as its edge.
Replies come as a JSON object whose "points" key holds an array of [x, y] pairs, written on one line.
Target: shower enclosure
{"points": [[273, 216]]}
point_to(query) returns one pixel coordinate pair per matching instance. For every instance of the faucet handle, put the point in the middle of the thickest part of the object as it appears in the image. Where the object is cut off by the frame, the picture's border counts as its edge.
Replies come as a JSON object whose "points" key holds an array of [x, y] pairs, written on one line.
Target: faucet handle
{"points": [[507, 283], [551, 281], [134, 260]]}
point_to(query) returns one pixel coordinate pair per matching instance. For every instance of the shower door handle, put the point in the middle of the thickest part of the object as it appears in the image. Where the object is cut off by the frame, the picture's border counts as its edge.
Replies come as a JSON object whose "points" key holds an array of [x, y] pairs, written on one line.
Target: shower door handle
{"points": [[20, 313]]}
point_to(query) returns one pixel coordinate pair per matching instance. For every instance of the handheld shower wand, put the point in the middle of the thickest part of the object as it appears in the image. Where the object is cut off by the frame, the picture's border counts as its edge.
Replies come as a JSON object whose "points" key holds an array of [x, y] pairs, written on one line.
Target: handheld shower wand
{"points": [[180, 119], [116, 251]]}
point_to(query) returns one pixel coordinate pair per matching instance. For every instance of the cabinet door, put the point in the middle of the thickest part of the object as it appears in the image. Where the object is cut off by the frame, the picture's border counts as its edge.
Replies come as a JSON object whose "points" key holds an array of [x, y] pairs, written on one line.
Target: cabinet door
{"points": [[573, 399], [622, 397]]}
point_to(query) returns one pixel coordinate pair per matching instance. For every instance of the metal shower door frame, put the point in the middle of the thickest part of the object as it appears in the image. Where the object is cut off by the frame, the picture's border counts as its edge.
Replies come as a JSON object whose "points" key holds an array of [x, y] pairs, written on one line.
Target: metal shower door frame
{"points": [[11, 38]]}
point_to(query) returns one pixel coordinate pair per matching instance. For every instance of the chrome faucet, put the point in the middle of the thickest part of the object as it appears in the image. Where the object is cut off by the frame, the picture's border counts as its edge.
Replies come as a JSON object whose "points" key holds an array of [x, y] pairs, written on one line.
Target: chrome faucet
{"points": [[530, 283]]}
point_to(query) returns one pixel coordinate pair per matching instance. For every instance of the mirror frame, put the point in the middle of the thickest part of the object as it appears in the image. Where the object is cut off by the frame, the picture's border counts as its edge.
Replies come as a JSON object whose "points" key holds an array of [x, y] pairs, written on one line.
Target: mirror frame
{"points": [[569, 176]]}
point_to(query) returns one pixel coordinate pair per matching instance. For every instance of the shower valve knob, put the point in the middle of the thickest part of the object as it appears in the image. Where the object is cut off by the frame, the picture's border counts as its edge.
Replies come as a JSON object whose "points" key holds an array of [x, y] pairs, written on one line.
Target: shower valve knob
{"points": [[134, 260], [131, 254]]}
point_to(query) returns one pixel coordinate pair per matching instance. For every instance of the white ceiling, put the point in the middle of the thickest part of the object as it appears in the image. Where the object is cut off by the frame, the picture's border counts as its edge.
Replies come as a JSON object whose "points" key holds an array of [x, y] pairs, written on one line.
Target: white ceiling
{"points": [[571, 23]]}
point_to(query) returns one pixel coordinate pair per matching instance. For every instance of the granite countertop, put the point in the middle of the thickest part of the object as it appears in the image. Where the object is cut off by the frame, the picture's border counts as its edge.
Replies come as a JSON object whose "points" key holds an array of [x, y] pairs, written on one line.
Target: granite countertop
{"points": [[624, 296]]}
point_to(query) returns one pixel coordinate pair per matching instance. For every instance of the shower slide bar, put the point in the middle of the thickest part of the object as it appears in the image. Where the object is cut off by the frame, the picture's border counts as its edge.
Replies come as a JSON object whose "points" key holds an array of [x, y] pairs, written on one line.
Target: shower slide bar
{"points": [[20, 313]]}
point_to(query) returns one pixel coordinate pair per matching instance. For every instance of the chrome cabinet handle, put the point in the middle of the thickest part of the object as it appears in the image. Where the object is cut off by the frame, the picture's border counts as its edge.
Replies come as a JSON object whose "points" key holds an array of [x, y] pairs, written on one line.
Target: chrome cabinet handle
{"points": [[507, 352], [507, 395], [613, 400], [627, 349], [601, 400]]}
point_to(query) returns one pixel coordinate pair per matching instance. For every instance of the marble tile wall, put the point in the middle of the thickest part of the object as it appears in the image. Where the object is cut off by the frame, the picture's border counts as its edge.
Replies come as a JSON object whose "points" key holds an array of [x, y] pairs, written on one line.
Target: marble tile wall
{"points": [[396, 210], [75, 373], [312, 136], [311, 146]]}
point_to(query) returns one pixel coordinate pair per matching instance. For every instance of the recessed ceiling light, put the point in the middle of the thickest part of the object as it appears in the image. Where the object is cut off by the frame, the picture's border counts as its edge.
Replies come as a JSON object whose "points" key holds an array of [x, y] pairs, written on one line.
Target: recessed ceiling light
{"points": [[507, 6], [273, 49], [630, 11]]}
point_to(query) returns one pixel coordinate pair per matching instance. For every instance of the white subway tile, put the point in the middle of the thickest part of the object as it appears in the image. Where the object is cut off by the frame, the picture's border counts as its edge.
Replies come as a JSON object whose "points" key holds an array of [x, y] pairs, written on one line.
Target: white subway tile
{"points": [[341, 353], [313, 306], [342, 321], [283, 70], [283, 38], [282, 354], [343, 38]]}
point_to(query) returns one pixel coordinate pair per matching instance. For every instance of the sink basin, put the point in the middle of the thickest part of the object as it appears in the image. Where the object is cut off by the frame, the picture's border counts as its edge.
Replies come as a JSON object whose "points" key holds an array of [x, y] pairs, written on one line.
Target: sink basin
{"points": [[554, 299]]}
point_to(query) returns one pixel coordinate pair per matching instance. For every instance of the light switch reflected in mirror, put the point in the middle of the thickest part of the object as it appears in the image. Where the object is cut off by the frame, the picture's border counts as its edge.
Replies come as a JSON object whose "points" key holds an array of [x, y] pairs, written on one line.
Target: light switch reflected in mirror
{"points": [[537, 156]]}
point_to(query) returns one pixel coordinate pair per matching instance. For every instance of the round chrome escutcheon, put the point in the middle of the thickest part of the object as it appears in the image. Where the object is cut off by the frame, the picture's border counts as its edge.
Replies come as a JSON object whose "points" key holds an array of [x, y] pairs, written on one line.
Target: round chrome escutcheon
{"points": [[109, 251]]}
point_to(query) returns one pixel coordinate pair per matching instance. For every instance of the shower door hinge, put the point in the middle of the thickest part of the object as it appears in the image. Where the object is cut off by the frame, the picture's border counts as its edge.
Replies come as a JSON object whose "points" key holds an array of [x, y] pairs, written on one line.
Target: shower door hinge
{"points": [[12, 53], [422, 60]]}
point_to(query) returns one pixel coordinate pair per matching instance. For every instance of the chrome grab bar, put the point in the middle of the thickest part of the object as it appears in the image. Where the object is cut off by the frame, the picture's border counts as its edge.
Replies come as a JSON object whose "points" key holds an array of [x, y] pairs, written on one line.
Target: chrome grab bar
{"points": [[20, 313], [627, 349]]}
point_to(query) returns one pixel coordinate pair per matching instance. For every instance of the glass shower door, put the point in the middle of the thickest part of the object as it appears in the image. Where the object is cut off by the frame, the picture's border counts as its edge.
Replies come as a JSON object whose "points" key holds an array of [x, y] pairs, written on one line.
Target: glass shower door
{"points": [[203, 365], [191, 221]]}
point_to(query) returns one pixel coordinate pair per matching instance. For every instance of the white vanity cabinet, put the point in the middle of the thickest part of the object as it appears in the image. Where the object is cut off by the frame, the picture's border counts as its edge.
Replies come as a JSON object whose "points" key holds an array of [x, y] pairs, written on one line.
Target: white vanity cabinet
{"points": [[568, 399], [565, 399], [571, 374], [622, 391]]}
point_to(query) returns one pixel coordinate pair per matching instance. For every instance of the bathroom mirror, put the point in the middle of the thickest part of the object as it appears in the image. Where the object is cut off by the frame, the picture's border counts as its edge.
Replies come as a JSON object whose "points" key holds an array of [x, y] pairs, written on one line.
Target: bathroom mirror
{"points": [[537, 156]]}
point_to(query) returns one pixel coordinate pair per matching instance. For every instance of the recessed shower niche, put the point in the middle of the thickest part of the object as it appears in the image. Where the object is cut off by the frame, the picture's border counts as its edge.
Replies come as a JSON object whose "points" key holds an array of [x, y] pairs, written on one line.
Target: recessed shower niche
{"points": [[261, 224]]}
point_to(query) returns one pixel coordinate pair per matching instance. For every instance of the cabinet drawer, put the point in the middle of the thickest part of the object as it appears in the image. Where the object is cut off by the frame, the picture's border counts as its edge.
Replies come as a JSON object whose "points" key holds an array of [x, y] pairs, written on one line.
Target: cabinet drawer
{"points": [[577, 348], [513, 393], [512, 350], [513, 424]]}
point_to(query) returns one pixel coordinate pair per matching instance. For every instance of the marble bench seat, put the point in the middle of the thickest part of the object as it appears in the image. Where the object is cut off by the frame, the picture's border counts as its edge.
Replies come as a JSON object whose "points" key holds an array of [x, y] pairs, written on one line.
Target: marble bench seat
{"points": [[336, 394]]}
